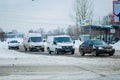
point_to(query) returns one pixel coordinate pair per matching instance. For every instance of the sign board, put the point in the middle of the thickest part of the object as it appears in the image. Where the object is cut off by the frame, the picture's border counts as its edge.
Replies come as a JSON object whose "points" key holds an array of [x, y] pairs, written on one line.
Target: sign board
{"points": [[116, 11], [112, 30], [85, 22]]}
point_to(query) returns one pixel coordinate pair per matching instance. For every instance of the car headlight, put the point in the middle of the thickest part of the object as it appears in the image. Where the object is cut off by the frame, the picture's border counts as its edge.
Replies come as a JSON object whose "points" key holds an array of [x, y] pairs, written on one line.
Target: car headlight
{"points": [[31, 46], [73, 46], [59, 46], [100, 47]]}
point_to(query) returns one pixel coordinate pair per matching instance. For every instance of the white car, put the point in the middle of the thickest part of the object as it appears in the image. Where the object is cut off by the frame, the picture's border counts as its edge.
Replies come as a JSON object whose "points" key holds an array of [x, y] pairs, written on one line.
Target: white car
{"points": [[13, 44], [61, 43], [33, 41]]}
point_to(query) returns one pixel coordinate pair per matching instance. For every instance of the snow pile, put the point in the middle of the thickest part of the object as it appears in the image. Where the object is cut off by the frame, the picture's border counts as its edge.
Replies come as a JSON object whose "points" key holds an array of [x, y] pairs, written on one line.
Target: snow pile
{"points": [[3, 45], [6, 53], [77, 43], [117, 45]]}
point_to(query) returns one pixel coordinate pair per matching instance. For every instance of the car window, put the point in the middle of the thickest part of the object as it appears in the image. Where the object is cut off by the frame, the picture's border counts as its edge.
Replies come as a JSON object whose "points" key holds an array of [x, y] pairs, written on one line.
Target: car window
{"points": [[90, 43], [13, 41], [62, 39], [85, 43], [35, 39], [99, 42]]}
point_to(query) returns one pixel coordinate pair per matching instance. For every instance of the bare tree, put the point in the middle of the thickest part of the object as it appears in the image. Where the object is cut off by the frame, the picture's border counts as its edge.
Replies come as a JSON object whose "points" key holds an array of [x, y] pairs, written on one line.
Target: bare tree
{"points": [[14, 31], [31, 31], [41, 30], [73, 30], [2, 34], [70, 30], [59, 31], [83, 11], [107, 20]]}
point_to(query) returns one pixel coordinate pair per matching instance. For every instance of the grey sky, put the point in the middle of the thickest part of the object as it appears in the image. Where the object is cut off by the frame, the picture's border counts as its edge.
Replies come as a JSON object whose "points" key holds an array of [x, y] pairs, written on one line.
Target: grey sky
{"points": [[24, 15]]}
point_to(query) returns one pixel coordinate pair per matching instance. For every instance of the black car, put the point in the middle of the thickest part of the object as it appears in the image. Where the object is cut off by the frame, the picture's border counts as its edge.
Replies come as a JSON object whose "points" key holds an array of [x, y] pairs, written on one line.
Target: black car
{"points": [[96, 47]]}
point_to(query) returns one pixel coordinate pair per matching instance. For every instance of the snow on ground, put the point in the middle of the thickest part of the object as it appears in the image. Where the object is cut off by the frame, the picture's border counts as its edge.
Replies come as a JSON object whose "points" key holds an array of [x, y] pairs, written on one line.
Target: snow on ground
{"points": [[6, 53], [31, 59], [117, 45]]}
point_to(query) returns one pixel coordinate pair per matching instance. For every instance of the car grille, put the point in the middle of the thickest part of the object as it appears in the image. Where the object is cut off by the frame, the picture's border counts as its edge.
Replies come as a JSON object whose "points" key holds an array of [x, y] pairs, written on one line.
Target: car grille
{"points": [[67, 47], [107, 47]]}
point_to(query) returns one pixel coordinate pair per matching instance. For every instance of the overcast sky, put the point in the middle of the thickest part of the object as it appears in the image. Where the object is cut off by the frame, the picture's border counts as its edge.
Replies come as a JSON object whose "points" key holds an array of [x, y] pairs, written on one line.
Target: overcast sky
{"points": [[24, 15]]}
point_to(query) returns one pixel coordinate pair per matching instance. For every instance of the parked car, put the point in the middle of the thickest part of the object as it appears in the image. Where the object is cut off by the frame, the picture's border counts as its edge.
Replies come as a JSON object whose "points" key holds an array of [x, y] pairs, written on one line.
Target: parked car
{"points": [[33, 41], [96, 47], [61, 43], [13, 44]]}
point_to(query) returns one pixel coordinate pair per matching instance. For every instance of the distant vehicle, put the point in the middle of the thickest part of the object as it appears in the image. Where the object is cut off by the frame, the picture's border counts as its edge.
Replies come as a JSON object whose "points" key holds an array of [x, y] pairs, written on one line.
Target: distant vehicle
{"points": [[33, 41], [61, 43], [13, 44], [85, 37], [96, 47]]}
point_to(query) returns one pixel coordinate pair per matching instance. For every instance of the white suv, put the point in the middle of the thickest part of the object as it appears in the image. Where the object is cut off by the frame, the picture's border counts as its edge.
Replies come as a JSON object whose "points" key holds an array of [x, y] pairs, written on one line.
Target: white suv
{"points": [[61, 43]]}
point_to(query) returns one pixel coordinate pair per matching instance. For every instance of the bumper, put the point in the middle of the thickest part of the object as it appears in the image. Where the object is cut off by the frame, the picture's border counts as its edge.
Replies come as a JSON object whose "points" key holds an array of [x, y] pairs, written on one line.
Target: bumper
{"points": [[65, 50], [16, 47], [102, 51], [37, 47]]}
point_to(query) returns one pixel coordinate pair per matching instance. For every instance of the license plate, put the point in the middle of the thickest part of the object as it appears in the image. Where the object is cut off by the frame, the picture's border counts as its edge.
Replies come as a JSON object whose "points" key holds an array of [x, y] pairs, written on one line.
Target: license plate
{"points": [[37, 48], [67, 50], [109, 50]]}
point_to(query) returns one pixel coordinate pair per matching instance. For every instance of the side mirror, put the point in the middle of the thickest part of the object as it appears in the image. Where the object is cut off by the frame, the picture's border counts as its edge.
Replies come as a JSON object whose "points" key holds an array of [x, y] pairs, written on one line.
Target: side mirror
{"points": [[44, 40], [28, 40], [90, 44], [73, 42], [54, 43]]}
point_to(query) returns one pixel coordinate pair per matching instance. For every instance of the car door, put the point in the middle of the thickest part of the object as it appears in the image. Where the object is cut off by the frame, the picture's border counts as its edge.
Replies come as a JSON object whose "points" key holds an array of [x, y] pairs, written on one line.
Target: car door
{"points": [[89, 48], [84, 46]]}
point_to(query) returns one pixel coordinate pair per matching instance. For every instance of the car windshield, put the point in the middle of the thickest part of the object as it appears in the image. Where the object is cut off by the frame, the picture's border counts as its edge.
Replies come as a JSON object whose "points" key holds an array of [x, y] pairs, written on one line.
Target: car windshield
{"points": [[13, 41], [36, 39], [62, 39], [99, 42]]}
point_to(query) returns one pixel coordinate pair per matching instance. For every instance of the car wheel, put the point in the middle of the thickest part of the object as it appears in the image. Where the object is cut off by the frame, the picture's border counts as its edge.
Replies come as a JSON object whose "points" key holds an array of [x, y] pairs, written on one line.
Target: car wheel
{"points": [[49, 50], [95, 53], [9, 48], [111, 54], [42, 50], [72, 52], [25, 48], [82, 53], [30, 49], [56, 51]]}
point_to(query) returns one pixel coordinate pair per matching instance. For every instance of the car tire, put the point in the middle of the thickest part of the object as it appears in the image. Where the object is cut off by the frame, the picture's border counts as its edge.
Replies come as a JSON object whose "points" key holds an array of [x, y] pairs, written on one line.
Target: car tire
{"points": [[56, 51], [48, 49], [9, 48], [25, 48], [82, 53], [95, 53], [31, 49], [42, 50], [111, 54], [72, 52]]}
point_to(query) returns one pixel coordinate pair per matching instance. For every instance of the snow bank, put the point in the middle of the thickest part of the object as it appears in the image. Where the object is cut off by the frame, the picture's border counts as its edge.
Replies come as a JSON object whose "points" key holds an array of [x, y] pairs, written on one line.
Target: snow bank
{"points": [[117, 45], [6, 53]]}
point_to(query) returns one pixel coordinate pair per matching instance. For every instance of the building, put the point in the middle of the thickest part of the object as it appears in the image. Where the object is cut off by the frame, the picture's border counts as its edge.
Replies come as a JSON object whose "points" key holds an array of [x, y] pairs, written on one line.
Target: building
{"points": [[107, 33]]}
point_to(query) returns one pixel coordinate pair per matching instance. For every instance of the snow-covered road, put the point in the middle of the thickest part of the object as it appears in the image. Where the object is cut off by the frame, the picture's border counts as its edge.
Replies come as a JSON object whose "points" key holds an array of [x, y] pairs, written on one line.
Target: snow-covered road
{"points": [[15, 65]]}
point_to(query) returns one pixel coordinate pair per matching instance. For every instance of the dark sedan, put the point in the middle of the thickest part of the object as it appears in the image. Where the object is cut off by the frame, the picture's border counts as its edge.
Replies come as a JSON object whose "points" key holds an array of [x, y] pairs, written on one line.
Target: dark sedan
{"points": [[96, 47]]}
